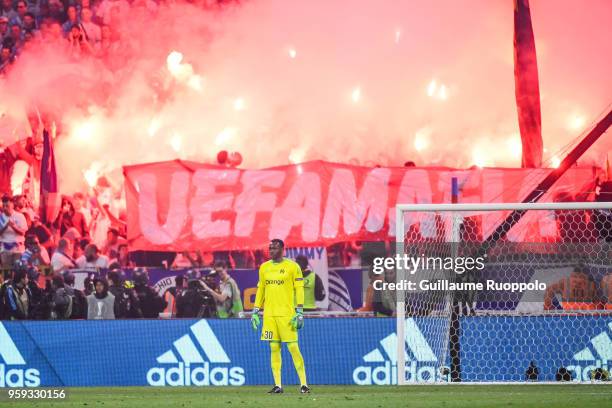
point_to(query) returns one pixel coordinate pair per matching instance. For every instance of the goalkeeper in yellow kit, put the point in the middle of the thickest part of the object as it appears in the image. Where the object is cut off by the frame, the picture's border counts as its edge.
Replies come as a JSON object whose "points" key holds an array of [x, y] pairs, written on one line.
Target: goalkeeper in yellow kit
{"points": [[281, 293]]}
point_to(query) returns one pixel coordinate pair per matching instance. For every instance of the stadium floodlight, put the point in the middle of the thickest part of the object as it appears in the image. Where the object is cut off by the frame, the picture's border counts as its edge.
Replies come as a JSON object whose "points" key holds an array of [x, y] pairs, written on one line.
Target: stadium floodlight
{"points": [[552, 263]]}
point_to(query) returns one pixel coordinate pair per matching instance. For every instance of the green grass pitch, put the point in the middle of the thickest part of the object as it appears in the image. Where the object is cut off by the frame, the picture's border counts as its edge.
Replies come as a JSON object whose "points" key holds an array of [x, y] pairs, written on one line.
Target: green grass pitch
{"points": [[447, 396]]}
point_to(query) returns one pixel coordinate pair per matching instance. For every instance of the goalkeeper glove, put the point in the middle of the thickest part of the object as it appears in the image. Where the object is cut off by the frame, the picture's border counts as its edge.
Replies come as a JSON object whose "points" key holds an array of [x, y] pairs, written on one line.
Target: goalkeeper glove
{"points": [[297, 321], [255, 320]]}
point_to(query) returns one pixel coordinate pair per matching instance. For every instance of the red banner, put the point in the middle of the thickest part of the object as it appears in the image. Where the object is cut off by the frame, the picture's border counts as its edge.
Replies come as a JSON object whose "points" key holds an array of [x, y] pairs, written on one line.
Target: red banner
{"points": [[179, 206]]}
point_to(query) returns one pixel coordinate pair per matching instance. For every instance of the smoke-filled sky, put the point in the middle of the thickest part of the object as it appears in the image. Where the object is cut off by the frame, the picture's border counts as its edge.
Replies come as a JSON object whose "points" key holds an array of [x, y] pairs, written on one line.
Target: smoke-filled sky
{"points": [[368, 82]]}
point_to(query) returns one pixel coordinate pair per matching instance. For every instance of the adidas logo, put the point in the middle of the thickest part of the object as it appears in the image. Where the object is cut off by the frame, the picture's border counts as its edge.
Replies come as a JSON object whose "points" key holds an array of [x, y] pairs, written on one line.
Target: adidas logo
{"points": [[184, 363], [382, 369], [596, 355], [10, 356]]}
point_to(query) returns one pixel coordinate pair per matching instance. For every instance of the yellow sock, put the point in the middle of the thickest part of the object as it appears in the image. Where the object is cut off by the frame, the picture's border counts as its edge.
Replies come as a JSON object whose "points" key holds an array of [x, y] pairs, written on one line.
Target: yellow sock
{"points": [[298, 361], [276, 362]]}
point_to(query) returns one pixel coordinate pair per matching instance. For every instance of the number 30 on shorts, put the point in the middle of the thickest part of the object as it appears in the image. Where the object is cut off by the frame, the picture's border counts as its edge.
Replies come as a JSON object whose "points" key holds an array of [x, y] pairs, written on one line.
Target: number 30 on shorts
{"points": [[268, 335]]}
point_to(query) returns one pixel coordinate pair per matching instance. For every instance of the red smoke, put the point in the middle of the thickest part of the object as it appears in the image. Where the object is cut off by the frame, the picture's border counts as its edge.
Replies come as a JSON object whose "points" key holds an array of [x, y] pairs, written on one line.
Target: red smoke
{"points": [[285, 81]]}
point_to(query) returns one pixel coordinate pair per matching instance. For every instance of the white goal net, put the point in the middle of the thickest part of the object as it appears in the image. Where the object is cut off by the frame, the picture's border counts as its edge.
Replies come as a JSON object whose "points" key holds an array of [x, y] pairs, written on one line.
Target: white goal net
{"points": [[504, 292]]}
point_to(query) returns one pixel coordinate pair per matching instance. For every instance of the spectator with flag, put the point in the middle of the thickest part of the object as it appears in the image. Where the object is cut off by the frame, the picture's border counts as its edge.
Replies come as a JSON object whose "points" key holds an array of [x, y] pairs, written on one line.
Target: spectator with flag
{"points": [[49, 197]]}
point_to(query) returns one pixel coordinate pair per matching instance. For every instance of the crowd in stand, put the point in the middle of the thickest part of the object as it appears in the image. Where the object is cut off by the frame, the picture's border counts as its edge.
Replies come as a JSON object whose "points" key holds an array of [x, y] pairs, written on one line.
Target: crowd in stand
{"points": [[81, 27], [39, 259], [107, 292]]}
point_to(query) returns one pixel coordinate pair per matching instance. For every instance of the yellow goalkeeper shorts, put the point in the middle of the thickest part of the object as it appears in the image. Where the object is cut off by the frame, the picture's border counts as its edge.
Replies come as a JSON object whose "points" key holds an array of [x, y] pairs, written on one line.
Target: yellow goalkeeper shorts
{"points": [[278, 329]]}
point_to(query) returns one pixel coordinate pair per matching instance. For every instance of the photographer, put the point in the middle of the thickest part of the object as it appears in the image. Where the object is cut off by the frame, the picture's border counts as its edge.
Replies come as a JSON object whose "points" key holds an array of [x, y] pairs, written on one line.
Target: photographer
{"points": [[172, 294], [151, 304], [89, 283], [79, 301], [195, 301], [16, 297], [227, 296], [126, 301], [58, 300], [38, 305]]}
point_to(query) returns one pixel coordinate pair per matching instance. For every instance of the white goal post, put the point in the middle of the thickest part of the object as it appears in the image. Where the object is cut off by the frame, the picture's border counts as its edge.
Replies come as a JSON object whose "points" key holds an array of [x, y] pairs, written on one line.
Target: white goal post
{"points": [[533, 253]]}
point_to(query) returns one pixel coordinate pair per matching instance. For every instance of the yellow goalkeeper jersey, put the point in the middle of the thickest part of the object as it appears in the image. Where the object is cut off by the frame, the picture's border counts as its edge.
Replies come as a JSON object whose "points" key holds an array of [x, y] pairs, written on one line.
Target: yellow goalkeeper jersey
{"points": [[280, 288]]}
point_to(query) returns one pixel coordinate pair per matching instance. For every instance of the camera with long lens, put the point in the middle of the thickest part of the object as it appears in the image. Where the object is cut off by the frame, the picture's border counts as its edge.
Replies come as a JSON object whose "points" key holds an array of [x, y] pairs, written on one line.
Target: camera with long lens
{"points": [[208, 307]]}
